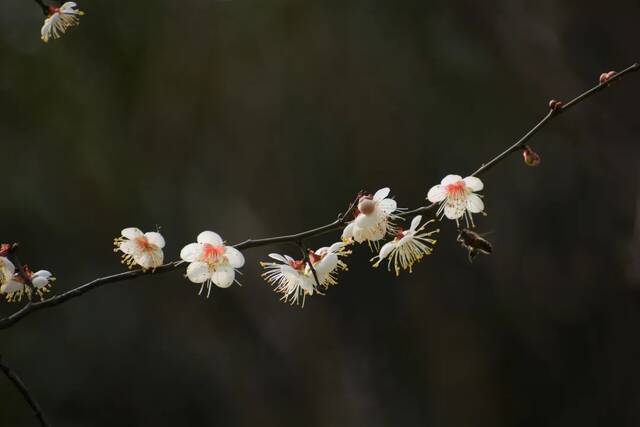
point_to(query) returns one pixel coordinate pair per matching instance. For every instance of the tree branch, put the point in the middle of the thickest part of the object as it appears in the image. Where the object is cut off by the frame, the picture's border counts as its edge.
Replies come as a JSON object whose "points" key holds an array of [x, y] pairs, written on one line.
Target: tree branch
{"points": [[555, 110], [22, 388]]}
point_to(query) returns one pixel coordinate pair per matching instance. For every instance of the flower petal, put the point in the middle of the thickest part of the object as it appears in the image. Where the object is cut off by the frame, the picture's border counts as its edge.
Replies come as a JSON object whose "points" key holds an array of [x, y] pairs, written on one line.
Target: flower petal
{"points": [[415, 222], [455, 210], [475, 203], [473, 183], [223, 276], [209, 237], [450, 179], [234, 256], [198, 272], [131, 233], [336, 247], [192, 252], [381, 194], [155, 239], [436, 194], [347, 233], [278, 257], [386, 249], [128, 247], [326, 264], [388, 205]]}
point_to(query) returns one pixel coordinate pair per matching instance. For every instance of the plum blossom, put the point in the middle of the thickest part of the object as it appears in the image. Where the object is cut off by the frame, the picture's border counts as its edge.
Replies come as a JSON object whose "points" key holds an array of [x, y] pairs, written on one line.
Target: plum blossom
{"points": [[59, 20], [211, 261], [408, 247], [138, 248], [17, 286], [457, 197], [327, 263], [291, 278], [374, 218]]}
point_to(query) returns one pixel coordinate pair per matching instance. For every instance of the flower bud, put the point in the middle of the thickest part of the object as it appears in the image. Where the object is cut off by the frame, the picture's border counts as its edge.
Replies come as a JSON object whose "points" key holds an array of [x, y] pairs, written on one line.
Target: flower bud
{"points": [[604, 77], [366, 205], [5, 248], [555, 104], [531, 158]]}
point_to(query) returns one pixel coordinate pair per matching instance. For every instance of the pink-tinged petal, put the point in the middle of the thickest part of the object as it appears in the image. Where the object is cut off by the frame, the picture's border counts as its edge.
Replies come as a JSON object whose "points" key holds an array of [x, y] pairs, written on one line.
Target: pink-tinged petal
{"points": [[381, 194], [155, 239], [386, 249], [306, 283], [347, 233], [388, 205], [278, 257], [39, 282], [131, 233], [450, 179], [209, 237], [455, 210], [234, 256], [198, 272], [475, 203], [149, 259], [326, 264], [436, 194], [415, 222], [473, 183], [192, 252], [223, 276], [128, 247]]}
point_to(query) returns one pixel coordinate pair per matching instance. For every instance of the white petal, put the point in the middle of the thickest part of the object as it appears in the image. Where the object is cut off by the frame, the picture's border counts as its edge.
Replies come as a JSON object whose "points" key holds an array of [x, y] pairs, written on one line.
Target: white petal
{"points": [[336, 247], [474, 203], [415, 222], [39, 282], [131, 233], [12, 286], [209, 237], [307, 283], [155, 239], [388, 205], [381, 194], [366, 221], [7, 266], [437, 194], [326, 264], [450, 179], [149, 259], [128, 247], [235, 257], [386, 249], [198, 272], [192, 252], [347, 233], [473, 183], [455, 210], [278, 257], [223, 276]]}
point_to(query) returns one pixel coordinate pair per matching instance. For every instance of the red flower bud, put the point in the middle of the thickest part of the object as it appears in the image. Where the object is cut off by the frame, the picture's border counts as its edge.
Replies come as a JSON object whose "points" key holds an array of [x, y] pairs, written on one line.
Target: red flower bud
{"points": [[5, 248], [555, 105], [531, 158], [604, 77]]}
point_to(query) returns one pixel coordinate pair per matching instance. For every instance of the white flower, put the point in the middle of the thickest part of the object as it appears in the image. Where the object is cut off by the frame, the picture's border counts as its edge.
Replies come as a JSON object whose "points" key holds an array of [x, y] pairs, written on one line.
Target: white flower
{"points": [[16, 286], [290, 277], [59, 20], [458, 197], [7, 269], [326, 262], [211, 261], [408, 247], [138, 248], [373, 219]]}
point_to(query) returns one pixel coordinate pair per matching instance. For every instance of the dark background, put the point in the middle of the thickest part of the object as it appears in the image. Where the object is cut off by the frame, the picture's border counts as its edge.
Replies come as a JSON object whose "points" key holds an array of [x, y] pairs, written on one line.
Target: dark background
{"points": [[263, 117]]}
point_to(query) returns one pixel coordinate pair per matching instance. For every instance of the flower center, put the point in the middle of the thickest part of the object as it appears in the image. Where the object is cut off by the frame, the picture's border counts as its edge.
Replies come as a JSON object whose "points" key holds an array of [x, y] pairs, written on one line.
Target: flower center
{"points": [[456, 189], [53, 10], [144, 244], [314, 257], [211, 253], [297, 264], [399, 234]]}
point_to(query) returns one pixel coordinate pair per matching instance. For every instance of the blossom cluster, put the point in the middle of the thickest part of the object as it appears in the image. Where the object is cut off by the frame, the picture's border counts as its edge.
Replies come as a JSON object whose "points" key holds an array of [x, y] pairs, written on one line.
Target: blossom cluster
{"points": [[59, 20], [376, 221]]}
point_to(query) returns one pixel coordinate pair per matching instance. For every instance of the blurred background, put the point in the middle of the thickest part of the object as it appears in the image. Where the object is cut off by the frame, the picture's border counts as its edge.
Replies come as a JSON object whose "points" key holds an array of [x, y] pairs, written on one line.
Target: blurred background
{"points": [[259, 118]]}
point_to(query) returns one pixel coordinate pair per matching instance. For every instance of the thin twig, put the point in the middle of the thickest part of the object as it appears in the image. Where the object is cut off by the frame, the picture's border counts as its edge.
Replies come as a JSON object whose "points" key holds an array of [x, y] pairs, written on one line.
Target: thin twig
{"points": [[315, 232], [22, 388]]}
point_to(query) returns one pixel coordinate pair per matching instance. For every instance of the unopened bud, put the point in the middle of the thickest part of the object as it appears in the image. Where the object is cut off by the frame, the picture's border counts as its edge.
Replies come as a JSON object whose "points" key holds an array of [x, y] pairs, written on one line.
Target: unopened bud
{"points": [[366, 205], [604, 77], [531, 158], [555, 104], [5, 248]]}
